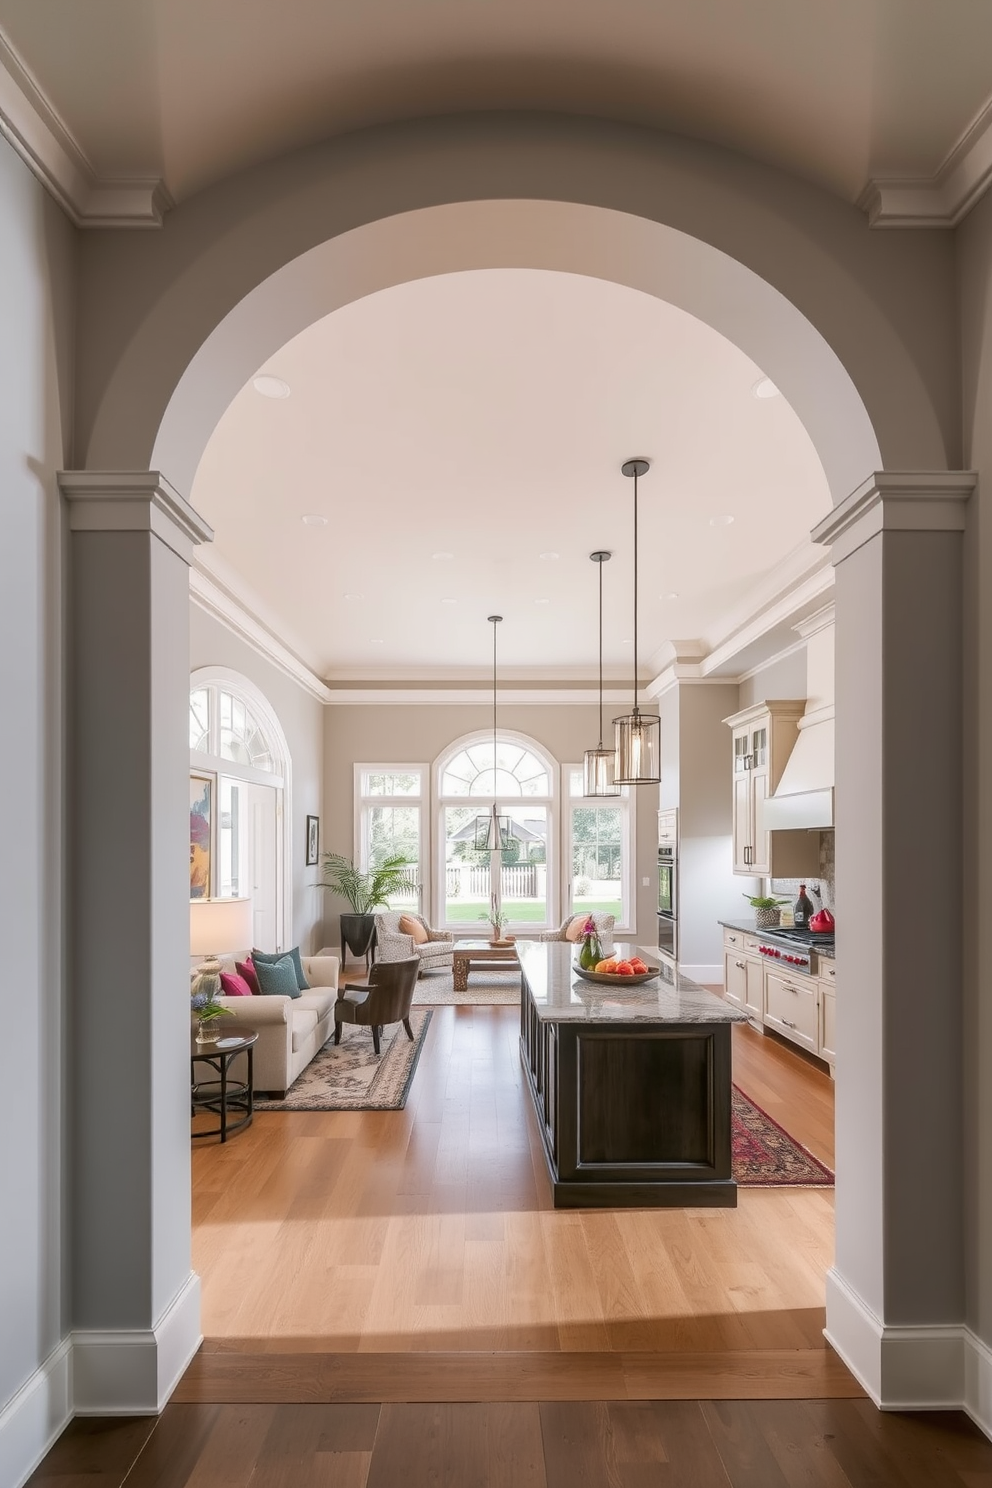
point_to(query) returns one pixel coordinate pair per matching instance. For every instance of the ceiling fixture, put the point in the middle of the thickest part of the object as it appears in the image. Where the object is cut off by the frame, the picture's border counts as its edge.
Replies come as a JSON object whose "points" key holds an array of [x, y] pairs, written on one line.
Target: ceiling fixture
{"points": [[638, 736], [599, 765], [314, 519], [442, 557], [353, 596], [549, 557], [270, 387], [492, 832], [542, 601], [447, 600], [765, 388], [725, 521]]}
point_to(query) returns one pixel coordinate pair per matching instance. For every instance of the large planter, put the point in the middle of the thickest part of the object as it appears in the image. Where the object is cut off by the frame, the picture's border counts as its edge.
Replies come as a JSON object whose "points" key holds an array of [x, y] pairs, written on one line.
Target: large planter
{"points": [[357, 934]]}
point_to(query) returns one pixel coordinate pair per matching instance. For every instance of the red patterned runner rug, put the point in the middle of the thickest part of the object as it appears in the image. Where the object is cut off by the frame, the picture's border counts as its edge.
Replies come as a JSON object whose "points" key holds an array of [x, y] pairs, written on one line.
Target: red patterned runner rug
{"points": [[765, 1156]]}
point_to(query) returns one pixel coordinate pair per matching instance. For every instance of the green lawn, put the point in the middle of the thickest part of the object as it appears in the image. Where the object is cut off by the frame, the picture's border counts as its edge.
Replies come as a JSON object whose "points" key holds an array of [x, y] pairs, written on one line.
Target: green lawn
{"points": [[522, 911]]}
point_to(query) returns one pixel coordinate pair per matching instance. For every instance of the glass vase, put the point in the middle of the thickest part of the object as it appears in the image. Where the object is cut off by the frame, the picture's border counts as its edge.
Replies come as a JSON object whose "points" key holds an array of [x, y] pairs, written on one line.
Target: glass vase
{"points": [[207, 1030], [591, 953]]}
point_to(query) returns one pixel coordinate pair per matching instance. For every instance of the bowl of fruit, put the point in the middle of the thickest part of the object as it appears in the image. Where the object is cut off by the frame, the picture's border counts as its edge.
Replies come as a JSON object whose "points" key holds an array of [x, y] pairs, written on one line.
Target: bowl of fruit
{"points": [[615, 972]]}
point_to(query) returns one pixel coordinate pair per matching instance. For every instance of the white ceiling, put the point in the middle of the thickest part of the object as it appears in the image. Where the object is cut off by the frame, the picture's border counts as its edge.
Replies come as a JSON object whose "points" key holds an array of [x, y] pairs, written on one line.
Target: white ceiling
{"points": [[486, 414], [835, 90]]}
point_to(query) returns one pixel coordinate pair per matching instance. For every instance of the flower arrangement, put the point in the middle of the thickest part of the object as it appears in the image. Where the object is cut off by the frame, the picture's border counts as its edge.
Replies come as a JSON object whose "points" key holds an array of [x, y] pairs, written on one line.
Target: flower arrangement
{"points": [[203, 1006], [591, 951], [496, 917]]}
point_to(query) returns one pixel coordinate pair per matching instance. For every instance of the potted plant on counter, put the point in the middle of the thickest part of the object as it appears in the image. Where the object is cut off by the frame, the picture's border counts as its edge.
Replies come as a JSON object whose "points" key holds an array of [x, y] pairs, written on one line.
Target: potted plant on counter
{"points": [[365, 892], [767, 911]]}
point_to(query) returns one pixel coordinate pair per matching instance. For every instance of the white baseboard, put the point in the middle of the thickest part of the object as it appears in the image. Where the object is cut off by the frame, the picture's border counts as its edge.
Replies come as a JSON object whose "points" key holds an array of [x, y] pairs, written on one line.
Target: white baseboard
{"points": [[709, 976], [38, 1413], [929, 1367], [134, 1371]]}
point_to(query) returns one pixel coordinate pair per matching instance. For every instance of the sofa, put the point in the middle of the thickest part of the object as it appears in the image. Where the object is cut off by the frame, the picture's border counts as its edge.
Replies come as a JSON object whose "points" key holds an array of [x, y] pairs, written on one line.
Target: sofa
{"points": [[392, 945], [290, 1029]]}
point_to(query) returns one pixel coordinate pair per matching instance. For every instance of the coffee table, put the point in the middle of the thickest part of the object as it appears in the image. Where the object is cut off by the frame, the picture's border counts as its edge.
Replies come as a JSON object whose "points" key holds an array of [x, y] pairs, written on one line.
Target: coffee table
{"points": [[468, 953]]}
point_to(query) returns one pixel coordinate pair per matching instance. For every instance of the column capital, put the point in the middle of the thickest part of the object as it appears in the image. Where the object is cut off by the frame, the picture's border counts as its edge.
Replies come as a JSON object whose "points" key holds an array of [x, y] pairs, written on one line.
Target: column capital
{"points": [[897, 501], [133, 501]]}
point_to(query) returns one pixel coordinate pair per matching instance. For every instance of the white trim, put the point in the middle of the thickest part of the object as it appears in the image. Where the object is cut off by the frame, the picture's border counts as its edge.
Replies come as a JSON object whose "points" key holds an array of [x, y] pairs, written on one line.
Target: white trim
{"points": [[31, 1421], [212, 598], [940, 200], [421, 801], [133, 1371], [626, 926], [35, 130], [708, 975], [541, 694], [894, 501], [133, 501], [978, 1381]]}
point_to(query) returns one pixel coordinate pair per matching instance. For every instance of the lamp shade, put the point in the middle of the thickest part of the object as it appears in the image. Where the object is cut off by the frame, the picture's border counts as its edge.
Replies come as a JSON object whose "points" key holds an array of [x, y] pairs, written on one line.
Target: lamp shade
{"points": [[219, 925], [638, 740], [599, 769]]}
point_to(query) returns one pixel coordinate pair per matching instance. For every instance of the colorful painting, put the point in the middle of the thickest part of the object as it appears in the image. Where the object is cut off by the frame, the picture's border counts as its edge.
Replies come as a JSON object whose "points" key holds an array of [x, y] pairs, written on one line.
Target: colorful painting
{"points": [[201, 801]]}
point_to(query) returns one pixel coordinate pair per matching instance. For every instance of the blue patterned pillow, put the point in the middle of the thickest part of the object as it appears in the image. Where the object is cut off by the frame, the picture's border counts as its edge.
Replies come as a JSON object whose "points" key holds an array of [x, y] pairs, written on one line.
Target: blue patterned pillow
{"points": [[273, 956], [277, 978]]}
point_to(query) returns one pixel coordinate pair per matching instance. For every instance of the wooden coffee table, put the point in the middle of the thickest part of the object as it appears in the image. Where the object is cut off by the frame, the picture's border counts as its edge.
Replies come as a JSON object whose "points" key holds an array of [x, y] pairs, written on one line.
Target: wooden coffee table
{"points": [[469, 953]]}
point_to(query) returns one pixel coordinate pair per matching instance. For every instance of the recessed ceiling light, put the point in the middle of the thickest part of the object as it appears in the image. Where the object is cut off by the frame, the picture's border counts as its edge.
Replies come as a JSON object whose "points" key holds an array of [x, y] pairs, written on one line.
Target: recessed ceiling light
{"points": [[442, 557], [446, 600], [725, 521], [314, 519], [765, 388], [549, 557], [270, 387], [542, 601], [354, 596], [673, 595], [376, 641]]}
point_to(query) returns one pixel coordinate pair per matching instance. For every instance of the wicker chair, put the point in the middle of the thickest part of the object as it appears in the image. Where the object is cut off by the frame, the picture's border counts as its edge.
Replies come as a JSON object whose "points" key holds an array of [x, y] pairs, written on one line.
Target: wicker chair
{"points": [[604, 929], [386, 999], [392, 945]]}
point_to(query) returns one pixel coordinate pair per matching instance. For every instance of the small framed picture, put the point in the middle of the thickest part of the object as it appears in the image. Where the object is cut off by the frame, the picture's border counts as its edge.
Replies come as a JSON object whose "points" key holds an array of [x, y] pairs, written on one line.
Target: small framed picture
{"points": [[313, 840]]}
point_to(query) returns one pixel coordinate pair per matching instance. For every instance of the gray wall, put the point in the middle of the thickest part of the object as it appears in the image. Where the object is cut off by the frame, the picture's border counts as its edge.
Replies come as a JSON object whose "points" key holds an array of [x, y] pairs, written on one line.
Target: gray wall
{"points": [[412, 733], [36, 314], [301, 716], [974, 241], [783, 679]]}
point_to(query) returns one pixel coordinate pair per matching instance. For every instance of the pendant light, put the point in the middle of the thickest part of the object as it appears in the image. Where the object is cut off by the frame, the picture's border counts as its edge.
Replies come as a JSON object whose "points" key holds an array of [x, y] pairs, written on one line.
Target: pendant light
{"points": [[492, 832], [638, 735], [599, 764]]}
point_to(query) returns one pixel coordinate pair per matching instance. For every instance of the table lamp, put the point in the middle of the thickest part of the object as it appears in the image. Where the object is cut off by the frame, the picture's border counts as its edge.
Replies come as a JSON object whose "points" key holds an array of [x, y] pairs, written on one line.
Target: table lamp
{"points": [[217, 926]]}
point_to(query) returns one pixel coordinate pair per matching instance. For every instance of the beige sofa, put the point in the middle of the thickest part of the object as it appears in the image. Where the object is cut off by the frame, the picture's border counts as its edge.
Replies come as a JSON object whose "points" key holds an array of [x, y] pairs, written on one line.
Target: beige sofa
{"points": [[290, 1029]]}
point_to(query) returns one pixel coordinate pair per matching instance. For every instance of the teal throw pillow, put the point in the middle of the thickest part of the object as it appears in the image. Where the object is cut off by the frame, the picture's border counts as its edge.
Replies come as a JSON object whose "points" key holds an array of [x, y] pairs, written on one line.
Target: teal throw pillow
{"points": [[273, 956], [277, 978]]}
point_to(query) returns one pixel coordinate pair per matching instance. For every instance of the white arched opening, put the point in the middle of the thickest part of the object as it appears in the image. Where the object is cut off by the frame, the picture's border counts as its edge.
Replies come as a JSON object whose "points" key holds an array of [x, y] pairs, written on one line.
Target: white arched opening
{"points": [[240, 801]]}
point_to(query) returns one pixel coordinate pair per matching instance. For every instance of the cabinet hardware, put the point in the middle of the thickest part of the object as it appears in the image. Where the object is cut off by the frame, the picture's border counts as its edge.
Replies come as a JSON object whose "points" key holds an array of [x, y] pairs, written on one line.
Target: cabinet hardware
{"points": [[787, 1023], [741, 965]]}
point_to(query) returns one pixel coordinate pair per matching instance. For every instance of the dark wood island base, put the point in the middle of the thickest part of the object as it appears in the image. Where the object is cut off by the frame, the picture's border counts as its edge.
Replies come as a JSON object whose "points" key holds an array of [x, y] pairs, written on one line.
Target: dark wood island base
{"points": [[632, 1087]]}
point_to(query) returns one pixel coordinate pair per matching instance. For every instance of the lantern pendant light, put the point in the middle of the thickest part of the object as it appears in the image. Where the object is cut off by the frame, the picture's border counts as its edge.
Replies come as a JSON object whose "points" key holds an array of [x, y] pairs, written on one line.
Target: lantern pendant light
{"points": [[492, 832], [638, 735], [599, 764]]}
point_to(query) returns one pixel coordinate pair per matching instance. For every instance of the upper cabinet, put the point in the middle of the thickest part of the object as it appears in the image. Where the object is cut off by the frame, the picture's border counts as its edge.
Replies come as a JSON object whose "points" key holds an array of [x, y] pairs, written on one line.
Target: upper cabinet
{"points": [[764, 736]]}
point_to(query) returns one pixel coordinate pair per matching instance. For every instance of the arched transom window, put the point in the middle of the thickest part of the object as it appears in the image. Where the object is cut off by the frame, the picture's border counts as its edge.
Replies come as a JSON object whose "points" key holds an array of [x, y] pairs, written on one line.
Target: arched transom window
{"points": [[224, 725], [514, 771]]}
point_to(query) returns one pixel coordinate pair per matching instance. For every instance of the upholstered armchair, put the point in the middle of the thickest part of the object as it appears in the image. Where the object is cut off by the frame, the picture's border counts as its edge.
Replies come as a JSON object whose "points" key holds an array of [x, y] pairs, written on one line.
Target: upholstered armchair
{"points": [[604, 929], [386, 999], [394, 944]]}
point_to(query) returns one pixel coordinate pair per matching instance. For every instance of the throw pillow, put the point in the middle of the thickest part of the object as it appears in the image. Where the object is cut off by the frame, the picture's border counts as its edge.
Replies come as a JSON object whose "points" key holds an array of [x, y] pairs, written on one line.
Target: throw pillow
{"points": [[278, 978], [573, 930], [233, 986], [412, 927], [246, 969], [272, 956]]}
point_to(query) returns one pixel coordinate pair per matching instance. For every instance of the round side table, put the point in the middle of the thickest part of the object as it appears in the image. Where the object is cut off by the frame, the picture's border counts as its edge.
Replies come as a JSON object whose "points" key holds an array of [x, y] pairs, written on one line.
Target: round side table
{"points": [[220, 1093]]}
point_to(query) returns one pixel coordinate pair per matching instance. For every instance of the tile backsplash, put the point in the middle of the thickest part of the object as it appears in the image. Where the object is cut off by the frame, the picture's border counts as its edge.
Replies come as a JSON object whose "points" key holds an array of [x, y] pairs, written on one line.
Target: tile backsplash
{"points": [[790, 886]]}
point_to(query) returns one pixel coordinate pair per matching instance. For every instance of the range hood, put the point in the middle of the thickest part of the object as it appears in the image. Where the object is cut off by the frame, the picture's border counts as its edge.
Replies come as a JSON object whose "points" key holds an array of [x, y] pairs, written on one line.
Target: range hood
{"points": [[804, 797]]}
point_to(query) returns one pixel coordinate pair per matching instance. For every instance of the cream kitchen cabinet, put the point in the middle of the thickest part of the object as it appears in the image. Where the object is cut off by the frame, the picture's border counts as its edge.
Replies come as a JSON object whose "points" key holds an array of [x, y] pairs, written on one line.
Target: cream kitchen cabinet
{"points": [[763, 737], [792, 1008], [744, 974], [828, 1013]]}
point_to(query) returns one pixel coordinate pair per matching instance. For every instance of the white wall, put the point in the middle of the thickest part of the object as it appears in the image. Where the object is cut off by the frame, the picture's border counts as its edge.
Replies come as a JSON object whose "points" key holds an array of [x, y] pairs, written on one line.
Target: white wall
{"points": [[301, 716], [36, 316]]}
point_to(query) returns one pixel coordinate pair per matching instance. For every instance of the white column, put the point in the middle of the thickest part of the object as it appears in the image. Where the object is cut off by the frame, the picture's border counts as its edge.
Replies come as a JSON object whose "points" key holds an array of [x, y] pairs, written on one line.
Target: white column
{"points": [[895, 1295], [134, 1297]]}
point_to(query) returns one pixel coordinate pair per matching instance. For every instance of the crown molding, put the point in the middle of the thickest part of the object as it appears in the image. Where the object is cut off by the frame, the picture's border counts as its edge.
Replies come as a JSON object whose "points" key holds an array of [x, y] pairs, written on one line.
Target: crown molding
{"points": [[940, 200], [218, 603], [33, 127], [896, 501]]}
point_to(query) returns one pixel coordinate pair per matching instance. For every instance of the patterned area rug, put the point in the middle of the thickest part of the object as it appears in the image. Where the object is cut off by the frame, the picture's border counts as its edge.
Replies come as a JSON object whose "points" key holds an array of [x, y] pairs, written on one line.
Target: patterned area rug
{"points": [[489, 986], [349, 1076], [765, 1156]]}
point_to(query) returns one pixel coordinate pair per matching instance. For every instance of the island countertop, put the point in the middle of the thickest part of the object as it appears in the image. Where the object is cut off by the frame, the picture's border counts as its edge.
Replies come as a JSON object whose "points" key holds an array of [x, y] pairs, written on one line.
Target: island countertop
{"points": [[560, 995]]}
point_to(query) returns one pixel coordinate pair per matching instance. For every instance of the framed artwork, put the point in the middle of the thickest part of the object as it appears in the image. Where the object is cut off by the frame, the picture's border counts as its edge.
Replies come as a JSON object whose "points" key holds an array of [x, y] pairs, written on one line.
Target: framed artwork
{"points": [[313, 840], [201, 824]]}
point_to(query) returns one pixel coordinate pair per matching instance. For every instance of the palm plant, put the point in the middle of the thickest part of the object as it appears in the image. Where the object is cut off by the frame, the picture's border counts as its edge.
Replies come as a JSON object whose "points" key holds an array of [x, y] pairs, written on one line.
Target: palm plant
{"points": [[364, 891]]}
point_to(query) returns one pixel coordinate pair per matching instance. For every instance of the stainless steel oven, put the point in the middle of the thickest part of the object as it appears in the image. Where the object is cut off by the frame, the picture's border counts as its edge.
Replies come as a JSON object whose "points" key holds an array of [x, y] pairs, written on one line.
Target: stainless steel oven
{"points": [[668, 901]]}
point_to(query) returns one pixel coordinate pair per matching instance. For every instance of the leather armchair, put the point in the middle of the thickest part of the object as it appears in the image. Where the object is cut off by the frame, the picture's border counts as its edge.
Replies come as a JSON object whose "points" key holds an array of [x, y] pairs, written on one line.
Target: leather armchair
{"points": [[386, 999]]}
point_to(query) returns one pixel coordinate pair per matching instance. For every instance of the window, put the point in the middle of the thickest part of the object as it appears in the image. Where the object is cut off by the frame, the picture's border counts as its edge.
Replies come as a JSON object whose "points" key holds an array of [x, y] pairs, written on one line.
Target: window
{"points": [[521, 877], [599, 852], [390, 824]]}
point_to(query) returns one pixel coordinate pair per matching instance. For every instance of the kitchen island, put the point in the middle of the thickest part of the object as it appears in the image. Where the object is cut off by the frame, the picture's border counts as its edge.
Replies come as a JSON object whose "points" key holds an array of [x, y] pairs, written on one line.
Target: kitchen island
{"points": [[631, 1084]]}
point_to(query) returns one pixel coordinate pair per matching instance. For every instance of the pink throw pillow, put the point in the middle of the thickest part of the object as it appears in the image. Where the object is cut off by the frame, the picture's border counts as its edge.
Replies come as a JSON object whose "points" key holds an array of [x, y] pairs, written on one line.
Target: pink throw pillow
{"points": [[233, 986], [246, 969]]}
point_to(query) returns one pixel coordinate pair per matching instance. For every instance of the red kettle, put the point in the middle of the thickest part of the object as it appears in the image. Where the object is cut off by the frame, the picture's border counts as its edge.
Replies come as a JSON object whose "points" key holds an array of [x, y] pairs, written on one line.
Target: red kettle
{"points": [[822, 921]]}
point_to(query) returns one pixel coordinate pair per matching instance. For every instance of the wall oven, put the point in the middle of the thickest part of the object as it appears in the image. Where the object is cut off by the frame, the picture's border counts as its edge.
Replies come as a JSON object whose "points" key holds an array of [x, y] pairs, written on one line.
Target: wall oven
{"points": [[668, 901]]}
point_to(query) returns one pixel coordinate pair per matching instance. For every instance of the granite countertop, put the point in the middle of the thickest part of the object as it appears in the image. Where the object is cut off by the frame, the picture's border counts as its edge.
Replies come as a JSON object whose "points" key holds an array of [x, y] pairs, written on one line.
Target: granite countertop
{"points": [[748, 927], [560, 996]]}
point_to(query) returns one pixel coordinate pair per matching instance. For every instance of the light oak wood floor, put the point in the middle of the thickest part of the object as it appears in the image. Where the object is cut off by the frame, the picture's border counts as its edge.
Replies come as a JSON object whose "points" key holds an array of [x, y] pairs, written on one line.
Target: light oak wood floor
{"points": [[430, 1231]]}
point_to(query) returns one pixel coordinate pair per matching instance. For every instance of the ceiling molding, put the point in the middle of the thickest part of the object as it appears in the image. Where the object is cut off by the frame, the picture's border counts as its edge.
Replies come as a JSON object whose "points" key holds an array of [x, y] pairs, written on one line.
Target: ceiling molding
{"points": [[940, 200], [462, 693], [210, 597], [33, 127]]}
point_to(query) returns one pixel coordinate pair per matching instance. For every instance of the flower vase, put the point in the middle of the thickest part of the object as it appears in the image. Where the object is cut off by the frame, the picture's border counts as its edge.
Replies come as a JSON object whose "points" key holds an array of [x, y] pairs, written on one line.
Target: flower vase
{"points": [[591, 953], [207, 1030]]}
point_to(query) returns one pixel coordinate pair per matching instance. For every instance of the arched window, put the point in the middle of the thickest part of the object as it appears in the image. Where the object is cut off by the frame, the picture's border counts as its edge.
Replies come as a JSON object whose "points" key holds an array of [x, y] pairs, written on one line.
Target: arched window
{"points": [[522, 879], [239, 808]]}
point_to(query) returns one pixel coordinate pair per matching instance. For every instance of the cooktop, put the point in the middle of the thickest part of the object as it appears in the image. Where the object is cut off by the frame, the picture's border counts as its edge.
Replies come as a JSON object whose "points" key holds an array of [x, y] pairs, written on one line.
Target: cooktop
{"points": [[822, 940]]}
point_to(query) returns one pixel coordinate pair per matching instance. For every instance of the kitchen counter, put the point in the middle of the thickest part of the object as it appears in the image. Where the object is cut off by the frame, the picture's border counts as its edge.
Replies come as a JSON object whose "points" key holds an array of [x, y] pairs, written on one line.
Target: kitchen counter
{"points": [[631, 1084], [748, 927], [560, 995]]}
